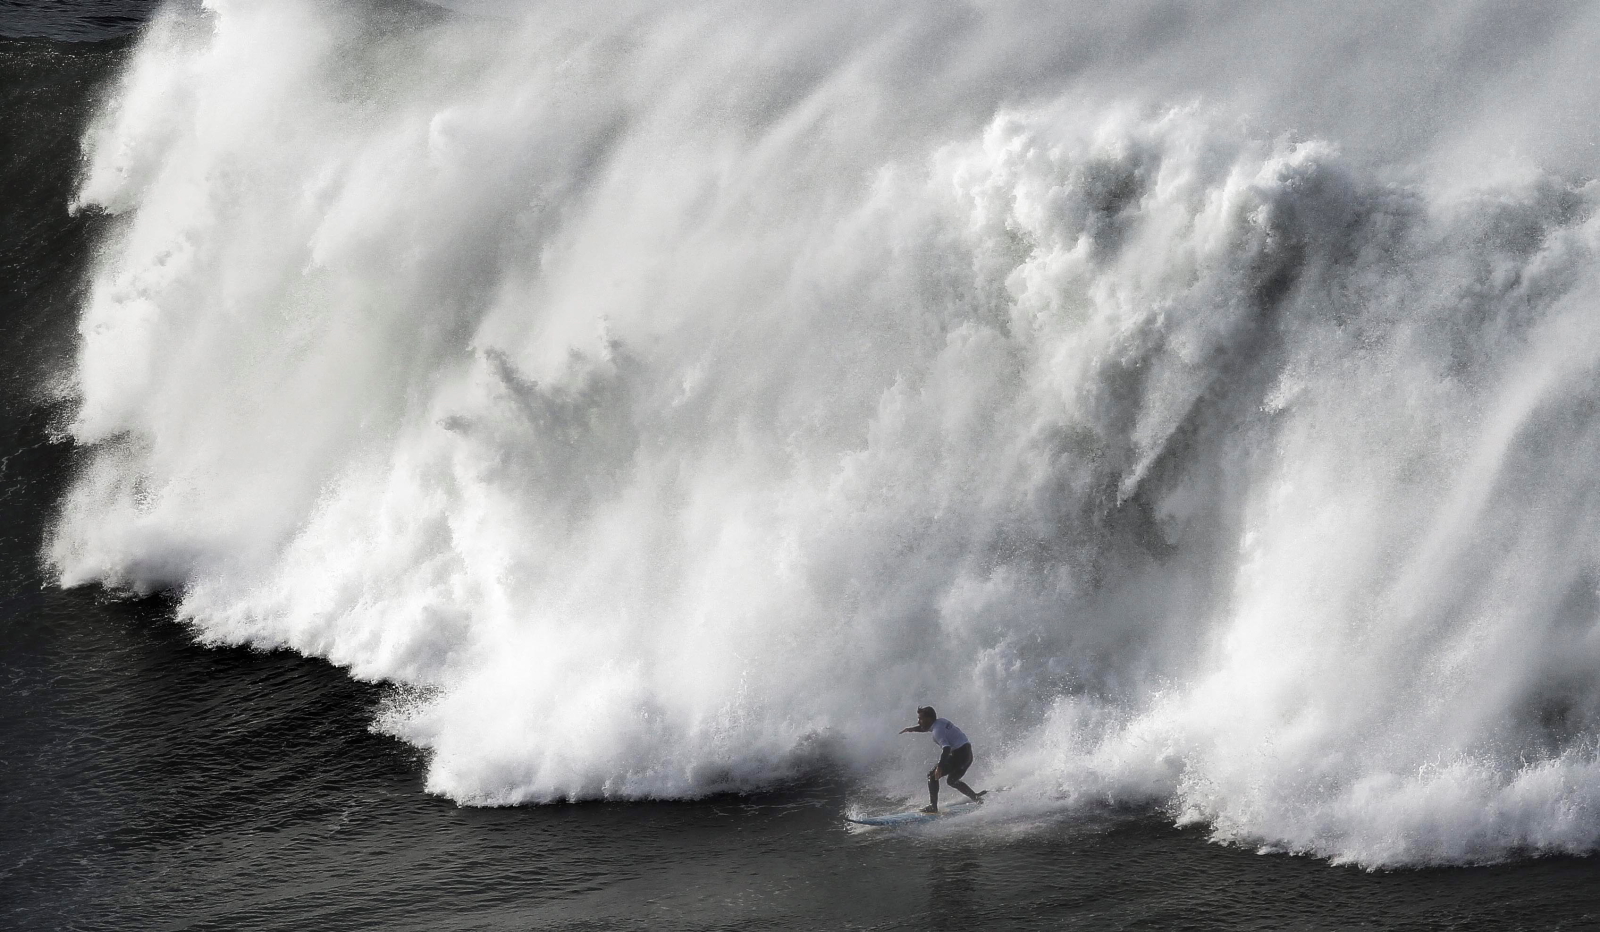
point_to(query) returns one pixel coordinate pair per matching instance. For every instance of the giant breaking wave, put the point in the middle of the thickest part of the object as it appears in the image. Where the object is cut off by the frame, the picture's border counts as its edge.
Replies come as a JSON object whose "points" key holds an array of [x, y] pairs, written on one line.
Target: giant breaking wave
{"points": [[668, 399]]}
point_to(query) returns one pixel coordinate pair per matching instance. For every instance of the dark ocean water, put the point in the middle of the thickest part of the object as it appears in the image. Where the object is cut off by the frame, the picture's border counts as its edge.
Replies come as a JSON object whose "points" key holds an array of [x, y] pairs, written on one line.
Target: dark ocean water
{"points": [[148, 783]]}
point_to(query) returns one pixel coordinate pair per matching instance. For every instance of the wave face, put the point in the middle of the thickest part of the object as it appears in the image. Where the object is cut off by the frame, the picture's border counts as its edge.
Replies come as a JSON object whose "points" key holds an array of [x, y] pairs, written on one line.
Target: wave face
{"points": [[668, 400]]}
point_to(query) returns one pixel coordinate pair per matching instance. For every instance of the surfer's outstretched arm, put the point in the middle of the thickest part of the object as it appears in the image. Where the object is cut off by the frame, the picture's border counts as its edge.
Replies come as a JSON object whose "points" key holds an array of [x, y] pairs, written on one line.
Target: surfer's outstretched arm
{"points": [[925, 719]]}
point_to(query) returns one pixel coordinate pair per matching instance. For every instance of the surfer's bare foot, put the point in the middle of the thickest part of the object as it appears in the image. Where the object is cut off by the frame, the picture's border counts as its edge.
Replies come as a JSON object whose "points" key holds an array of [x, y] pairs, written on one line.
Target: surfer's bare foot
{"points": [[931, 810]]}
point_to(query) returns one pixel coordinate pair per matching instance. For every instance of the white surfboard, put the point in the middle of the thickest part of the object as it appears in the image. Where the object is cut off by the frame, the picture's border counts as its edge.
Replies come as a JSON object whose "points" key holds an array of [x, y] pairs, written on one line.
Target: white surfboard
{"points": [[916, 816]]}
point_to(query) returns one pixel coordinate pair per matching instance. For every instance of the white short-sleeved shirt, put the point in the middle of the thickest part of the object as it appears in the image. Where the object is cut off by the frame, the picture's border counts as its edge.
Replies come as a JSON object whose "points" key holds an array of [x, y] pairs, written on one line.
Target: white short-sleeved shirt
{"points": [[947, 735]]}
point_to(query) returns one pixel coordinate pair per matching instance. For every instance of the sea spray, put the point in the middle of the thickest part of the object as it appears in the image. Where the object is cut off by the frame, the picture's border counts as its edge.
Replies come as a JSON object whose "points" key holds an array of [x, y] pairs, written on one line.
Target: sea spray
{"points": [[667, 400]]}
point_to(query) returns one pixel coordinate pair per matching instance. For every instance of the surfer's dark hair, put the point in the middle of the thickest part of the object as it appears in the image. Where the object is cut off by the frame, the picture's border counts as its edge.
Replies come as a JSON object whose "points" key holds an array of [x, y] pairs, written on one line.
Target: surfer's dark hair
{"points": [[928, 710]]}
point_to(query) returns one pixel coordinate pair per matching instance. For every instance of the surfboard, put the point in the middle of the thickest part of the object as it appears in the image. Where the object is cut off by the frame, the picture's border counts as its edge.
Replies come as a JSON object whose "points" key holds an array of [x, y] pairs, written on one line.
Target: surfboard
{"points": [[916, 816]]}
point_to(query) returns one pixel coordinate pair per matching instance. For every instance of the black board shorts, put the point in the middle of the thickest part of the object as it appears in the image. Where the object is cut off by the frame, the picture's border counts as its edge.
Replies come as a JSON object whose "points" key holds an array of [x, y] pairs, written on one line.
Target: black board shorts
{"points": [[953, 762]]}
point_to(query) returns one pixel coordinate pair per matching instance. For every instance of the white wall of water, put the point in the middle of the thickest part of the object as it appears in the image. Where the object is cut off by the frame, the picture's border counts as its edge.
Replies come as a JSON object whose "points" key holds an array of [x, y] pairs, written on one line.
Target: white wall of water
{"points": [[1199, 408]]}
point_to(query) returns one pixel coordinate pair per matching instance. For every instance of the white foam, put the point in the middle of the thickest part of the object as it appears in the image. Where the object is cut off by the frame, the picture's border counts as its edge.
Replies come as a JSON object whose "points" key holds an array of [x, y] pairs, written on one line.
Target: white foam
{"points": [[677, 397]]}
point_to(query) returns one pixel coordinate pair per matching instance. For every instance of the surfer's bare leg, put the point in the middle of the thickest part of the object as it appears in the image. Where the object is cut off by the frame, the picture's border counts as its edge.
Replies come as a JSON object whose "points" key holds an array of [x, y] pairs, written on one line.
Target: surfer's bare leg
{"points": [[933, 791]]}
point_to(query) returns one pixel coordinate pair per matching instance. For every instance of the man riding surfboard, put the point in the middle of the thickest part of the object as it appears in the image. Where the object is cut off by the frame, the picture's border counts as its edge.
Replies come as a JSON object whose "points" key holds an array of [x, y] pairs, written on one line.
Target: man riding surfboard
{"points": [[955, 756]]}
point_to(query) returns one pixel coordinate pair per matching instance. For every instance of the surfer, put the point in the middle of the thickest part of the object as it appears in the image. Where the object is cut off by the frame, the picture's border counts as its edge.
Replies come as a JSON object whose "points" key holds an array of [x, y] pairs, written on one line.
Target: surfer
{"points": [[955, 756]]}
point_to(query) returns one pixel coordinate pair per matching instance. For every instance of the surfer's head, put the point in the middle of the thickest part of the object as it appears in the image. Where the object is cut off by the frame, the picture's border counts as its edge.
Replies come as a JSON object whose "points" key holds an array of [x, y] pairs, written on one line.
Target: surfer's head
{"points": [[926, 715]]}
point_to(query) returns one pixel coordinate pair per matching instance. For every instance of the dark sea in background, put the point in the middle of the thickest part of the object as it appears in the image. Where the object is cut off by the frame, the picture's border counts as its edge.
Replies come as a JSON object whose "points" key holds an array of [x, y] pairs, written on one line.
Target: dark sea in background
{"points": [[148, 783]]}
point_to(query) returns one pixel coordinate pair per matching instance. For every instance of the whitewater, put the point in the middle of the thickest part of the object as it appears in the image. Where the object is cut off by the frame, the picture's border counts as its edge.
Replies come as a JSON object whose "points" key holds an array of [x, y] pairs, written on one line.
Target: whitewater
{"points": [[1198, 406]]}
